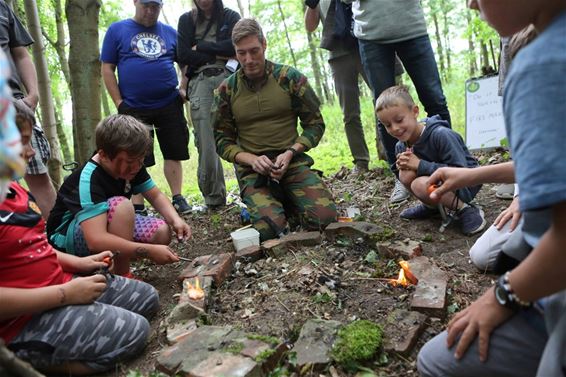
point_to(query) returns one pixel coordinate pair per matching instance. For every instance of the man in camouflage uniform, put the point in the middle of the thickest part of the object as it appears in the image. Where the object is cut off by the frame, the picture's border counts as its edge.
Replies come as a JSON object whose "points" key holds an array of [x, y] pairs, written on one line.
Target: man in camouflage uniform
{"points": [[255, 125]]}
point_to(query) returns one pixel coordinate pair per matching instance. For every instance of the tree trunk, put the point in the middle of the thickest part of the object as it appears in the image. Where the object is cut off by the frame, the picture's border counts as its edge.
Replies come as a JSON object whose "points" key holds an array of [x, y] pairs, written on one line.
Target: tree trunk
{"points": [[473, 68], [446, 33], [484, 57], [46, 102], [84, 69], [439, 49], [241, 8], [59, 44], [326, 87], [287, 33], [105, 103], [61, 132], [315, 66]]}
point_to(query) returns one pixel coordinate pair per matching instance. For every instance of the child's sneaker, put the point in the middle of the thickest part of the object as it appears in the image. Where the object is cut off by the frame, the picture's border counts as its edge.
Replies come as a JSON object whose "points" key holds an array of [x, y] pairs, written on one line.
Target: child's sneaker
{"points": [[180, 204], [419, 212], [399, 193], [471, 220]]}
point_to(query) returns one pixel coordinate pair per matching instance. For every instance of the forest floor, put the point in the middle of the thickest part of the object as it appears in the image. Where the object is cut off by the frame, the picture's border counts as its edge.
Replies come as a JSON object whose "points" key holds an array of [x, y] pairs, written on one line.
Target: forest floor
{"points": [[276, 296]]}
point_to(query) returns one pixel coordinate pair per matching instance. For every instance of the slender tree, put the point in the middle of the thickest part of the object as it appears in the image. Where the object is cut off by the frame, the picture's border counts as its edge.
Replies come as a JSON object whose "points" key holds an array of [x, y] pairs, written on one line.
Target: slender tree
{"points": [[46, 102], [287, 33], [84, 69]]}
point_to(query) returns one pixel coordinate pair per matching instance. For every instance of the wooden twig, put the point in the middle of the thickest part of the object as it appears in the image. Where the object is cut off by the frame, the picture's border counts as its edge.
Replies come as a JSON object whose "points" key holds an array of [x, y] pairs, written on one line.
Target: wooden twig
{"points": [[282, 304]]}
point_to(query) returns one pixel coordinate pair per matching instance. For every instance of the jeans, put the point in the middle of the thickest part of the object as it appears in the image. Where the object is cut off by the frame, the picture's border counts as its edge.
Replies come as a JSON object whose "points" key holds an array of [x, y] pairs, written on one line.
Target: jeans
{"points": [[418, 59]]}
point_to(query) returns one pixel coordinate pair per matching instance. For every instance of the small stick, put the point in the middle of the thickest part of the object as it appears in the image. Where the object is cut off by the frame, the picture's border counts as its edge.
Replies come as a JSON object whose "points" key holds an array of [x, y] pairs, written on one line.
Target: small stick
{"points": [[184, 259], [282, 304]]}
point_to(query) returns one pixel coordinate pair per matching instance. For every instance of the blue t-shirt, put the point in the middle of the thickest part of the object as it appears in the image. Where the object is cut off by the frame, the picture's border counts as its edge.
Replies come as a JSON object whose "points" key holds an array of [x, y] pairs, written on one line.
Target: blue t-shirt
{"points": [[145, 59], [534, 104]]}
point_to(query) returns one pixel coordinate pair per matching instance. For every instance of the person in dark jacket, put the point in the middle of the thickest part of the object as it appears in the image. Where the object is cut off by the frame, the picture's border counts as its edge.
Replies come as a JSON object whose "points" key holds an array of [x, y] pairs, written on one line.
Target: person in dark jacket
{"points": [[423, 147], [204, 45]]}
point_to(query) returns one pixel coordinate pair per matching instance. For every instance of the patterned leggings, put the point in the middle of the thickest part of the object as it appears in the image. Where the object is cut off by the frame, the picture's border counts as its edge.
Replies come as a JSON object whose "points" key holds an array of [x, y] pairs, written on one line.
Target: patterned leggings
{"points": [[99, 335], [144, 227]]}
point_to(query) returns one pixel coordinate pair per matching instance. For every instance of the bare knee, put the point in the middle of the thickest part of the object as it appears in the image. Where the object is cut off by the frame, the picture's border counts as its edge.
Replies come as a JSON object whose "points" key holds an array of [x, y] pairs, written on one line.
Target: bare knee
{"points": [[121, 218], [162, 235]]}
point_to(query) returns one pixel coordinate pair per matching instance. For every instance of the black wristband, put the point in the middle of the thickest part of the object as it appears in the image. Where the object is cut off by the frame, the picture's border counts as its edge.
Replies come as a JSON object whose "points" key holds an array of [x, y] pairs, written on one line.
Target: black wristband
{"points": [[293, 150]]}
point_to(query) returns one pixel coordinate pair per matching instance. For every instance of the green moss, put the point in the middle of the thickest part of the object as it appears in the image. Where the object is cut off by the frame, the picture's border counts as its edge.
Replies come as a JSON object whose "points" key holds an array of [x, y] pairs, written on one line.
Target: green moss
{"points": [[264, 355], [356, 342], [234, 348], [264, 338], [384, 235]]}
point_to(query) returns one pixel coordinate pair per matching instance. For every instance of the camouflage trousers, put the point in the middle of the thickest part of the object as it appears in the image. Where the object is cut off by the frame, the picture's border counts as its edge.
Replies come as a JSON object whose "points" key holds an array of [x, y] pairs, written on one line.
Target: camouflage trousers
{"points": [[300, 198], [99, 335]]}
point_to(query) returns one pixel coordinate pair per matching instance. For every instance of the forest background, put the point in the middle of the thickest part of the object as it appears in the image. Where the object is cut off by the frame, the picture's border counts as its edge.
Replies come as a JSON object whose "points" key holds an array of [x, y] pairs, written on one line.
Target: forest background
{"points": [[69, 34]]}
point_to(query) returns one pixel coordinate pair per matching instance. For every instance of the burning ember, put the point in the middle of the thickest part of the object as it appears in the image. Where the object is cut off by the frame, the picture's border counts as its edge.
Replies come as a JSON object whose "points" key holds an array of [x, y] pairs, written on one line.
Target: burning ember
{"points": [[406, 277], [195, 292]]}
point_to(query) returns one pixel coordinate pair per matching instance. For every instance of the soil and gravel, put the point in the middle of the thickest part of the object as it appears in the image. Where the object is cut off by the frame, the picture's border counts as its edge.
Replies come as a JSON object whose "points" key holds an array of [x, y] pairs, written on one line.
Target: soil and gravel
{"points": [[331, 281]]}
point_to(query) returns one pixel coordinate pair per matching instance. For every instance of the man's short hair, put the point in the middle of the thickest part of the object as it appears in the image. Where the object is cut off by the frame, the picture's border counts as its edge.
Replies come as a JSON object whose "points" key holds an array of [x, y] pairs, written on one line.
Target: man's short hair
{"points": [[23, 113], [394, 96], [117, 133], [246, 27]]}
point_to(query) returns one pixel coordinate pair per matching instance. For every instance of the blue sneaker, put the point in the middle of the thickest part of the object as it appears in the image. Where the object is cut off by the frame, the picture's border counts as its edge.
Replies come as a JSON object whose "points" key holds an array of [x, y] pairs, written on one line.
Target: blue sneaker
{"points": [[472, 220], [180, 204], [419, 212]]}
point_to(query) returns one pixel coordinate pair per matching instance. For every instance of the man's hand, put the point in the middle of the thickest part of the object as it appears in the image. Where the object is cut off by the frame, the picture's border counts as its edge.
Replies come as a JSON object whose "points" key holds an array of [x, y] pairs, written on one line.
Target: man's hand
{"points": [[512, 213], [407, 161], [160, 254], [480, 318], [448, 179], [82, 290], [182, 229], [281, 165], [31, 101], [262, 165]]}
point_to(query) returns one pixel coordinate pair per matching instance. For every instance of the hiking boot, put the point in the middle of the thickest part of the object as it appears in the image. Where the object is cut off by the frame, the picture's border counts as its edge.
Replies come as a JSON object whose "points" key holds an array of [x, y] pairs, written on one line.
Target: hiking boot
{"points": [[399, 193], [180, 204], [471, 220], [360, 168], [419, 212]]}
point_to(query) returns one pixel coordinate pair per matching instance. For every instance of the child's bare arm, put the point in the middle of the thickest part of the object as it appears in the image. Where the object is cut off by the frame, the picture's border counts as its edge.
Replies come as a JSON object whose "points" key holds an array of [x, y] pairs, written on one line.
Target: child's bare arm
{"points": [[72, 263], [21, 301], [162, 204]]}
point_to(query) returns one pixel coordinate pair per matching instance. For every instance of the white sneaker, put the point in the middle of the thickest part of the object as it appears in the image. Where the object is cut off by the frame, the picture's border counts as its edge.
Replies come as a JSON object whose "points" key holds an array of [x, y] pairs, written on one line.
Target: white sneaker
{"points": [[399, 193]]}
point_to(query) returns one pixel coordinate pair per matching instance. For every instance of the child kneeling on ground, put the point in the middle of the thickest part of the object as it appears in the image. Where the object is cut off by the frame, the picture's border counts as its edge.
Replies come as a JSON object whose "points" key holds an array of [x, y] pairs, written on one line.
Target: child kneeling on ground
{"points": [[93, 211], [423, 147], [53, 314]]}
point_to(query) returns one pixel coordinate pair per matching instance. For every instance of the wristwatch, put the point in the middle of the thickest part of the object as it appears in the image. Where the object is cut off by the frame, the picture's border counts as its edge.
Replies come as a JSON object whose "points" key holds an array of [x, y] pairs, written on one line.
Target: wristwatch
{"points": [[293, 151], [505, 295]]}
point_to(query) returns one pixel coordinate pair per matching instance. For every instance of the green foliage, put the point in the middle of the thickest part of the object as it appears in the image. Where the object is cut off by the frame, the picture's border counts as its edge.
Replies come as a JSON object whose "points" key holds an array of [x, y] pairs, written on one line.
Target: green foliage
{"points": [[264, 338], [322, 298], [356, 342], [386, 233], [234, 348], [264, 355]]}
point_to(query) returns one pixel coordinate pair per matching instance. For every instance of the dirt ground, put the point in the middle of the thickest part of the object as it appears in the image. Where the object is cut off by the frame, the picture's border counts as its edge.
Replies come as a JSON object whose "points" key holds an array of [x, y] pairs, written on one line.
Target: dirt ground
{"points": [[330, 281]]}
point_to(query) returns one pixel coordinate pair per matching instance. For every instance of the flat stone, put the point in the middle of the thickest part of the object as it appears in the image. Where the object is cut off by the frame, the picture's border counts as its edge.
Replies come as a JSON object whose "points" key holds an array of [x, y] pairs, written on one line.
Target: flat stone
{"points": [[217, 266], [315, 343], [183, 312], [352, 229], [303, 239], [406, 249], [224, 365], [275, 248], [205, 284], [179, 331], [250, 254], [402, 330], [192, 349], [430, 297], [423, 268]]}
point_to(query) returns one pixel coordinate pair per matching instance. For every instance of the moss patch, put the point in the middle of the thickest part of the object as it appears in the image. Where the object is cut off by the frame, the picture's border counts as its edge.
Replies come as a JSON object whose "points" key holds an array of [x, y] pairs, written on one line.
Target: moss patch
{"points": [[356, 342], [264, 338]]}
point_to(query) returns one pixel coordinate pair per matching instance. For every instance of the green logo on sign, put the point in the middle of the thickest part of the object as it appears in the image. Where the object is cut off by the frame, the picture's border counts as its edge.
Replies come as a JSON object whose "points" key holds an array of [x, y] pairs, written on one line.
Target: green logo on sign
{"points": [[473, 86]]}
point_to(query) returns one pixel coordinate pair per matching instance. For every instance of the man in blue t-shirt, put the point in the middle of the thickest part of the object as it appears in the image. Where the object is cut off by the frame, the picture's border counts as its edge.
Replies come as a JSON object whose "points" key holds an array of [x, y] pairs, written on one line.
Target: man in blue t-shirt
{"points": [[144, 51]]}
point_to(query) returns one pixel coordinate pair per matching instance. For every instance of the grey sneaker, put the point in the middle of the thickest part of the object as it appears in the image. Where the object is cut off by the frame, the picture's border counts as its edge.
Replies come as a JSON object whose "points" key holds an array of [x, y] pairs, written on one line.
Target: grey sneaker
{"points": [[180, 204], [399, 193], [471, 220]]}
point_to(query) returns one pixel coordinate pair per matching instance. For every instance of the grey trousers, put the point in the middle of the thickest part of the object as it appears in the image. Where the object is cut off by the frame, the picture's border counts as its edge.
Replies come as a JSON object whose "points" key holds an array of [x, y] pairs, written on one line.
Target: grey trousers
{"points": [[210, 173], [345, 72], [112, 329], [515, 350]]}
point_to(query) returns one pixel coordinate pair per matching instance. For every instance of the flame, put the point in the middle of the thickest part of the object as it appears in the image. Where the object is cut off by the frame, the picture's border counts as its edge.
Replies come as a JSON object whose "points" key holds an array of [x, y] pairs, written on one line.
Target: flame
{"points": [[195, 292], [406, 277]]}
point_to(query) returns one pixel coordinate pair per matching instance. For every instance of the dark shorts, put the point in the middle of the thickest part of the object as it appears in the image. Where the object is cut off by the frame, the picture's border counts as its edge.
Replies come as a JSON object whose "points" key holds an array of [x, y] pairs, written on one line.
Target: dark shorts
{"points": [[170, 126]]}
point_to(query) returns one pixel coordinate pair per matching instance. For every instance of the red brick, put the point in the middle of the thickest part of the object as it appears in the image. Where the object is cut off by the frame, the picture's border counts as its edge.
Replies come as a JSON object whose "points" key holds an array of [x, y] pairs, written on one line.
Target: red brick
{"points": [[402, 330], [353, 229], [303, 239], [217, 266], [406, 249], [250, 254], [205, 284], [275, 248]]}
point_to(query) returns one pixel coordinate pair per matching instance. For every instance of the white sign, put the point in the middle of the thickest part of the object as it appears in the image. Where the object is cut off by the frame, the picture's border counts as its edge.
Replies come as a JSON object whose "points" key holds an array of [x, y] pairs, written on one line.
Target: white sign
{"points": [[485, 126]]}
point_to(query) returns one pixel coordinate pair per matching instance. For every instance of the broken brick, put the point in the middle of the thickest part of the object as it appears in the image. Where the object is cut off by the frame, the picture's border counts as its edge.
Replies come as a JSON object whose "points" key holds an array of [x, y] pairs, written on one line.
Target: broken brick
{"points": [[217, 266], [205, 284], [224, 365], [430, 297], [275, 248], [249, 254], [303, 239], [402, 330], [406, 249], [315, 343], [179, 331]]}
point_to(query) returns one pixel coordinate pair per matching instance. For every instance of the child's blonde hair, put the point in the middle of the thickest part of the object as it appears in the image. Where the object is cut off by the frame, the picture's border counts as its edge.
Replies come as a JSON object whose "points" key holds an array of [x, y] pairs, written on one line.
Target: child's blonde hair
{"points": [[394, 96], [117, 133]]}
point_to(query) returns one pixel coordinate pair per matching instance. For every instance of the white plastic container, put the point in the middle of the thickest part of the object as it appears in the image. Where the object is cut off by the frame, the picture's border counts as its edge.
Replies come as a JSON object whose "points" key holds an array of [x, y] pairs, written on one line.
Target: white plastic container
{"points": [[244, 238]]}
